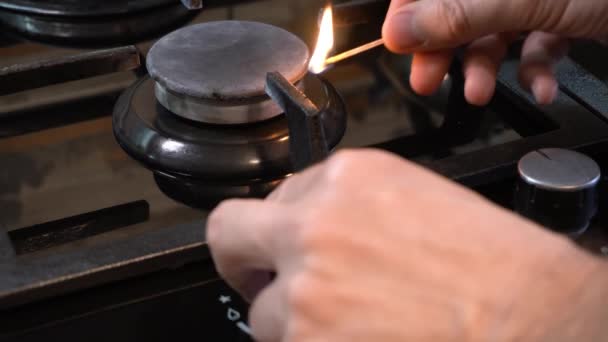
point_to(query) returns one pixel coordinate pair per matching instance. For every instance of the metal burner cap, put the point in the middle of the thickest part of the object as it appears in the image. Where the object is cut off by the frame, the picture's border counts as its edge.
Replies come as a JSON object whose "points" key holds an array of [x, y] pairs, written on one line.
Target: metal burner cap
{"points": [[224, 63]]}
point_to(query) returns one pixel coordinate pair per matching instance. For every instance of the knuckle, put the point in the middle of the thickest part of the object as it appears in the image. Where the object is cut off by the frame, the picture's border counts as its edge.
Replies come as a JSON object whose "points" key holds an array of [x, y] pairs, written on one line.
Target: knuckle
{"points": [[349, 166], [302, 293], [346, 165], [215, 221], [548, 16], [454, 14], [212, 229], [340, 165], [309, 229], [317, 231]]}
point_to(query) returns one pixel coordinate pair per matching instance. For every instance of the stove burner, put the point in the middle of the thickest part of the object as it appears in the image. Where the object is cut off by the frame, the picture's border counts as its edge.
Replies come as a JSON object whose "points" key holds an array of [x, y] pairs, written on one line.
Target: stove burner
{"points": [[200, 164], [81, 7], [215, 72], [92, 23]]}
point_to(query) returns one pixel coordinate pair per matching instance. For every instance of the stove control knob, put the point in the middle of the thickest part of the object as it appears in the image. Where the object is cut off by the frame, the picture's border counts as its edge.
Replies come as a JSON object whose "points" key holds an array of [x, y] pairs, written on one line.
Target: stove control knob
{"points": [[558, 189]]}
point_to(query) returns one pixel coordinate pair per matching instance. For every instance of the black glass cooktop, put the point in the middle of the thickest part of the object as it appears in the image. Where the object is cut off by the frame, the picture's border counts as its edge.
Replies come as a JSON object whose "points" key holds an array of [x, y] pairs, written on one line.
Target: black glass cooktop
{"points": [[90, 248]]}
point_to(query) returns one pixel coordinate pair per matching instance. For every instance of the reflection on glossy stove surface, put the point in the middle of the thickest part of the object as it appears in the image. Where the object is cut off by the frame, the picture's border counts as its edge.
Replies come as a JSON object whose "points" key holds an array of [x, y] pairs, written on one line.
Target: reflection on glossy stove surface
{"points": [[72, 24]]}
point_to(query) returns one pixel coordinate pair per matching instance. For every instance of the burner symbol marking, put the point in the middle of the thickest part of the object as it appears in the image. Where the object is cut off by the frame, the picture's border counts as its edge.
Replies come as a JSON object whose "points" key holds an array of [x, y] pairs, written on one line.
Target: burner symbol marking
{"points": [[244, 327], [225, 299], [233, 315]]}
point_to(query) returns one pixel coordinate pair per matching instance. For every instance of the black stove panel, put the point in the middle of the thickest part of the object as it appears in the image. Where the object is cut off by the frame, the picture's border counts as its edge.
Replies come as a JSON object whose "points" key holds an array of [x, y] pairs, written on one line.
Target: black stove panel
{"points": [[169, 305], [91, 248]]}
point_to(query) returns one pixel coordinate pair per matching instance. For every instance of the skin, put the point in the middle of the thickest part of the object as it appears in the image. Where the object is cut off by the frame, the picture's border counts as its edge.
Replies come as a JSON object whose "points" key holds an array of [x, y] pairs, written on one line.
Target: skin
{"points": [[405, 255], [369, 247], [433, 28]]}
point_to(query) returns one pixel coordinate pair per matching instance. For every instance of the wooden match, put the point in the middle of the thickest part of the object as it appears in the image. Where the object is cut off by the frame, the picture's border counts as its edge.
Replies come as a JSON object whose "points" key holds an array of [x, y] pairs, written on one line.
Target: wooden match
{"points": [[350, 53]]}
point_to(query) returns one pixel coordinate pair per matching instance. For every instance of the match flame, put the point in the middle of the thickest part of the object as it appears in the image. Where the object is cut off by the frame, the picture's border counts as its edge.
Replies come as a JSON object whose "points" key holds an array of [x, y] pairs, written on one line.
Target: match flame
{"points": [[325, 42]]}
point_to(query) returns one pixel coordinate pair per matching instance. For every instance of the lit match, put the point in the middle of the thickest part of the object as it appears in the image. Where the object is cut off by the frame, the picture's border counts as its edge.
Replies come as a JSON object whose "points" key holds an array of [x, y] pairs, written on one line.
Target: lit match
{"points": [[325, 44]]}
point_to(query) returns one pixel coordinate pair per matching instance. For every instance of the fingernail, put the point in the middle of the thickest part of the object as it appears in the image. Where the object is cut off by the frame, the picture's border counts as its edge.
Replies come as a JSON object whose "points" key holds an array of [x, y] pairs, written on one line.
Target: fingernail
{"points": [[402, 31], [544, 90]]}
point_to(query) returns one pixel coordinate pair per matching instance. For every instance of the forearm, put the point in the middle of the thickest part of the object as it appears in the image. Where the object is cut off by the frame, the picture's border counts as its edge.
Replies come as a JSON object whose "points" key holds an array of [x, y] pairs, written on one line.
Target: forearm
{"points": [[569, 303], [590, 308]]}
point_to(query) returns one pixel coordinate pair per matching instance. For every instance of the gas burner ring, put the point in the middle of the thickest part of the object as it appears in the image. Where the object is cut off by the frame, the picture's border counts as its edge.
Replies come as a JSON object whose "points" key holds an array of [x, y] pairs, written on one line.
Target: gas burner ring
{"points": [[214, 132], [217, 111], [208, 162]]}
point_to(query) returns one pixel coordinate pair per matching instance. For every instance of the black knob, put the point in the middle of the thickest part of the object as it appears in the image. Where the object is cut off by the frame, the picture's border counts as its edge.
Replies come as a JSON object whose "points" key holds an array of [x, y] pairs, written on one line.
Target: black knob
{"points": [[558, 189]]}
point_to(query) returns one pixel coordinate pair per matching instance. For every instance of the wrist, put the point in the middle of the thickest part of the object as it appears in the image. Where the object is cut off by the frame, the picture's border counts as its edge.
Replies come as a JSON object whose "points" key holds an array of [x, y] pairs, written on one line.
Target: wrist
{"points": [[591, 305], [562, 297], [575, 304]]}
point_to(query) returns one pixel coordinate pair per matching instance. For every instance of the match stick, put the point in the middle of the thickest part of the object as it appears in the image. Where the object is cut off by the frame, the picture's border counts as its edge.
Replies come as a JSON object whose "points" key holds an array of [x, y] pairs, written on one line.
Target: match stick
{"points": [[350, 53]]}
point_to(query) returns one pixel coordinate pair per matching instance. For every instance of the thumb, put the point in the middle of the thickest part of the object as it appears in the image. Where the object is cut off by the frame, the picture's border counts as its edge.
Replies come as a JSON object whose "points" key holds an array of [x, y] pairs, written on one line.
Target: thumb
{"points": [[438, 24]]}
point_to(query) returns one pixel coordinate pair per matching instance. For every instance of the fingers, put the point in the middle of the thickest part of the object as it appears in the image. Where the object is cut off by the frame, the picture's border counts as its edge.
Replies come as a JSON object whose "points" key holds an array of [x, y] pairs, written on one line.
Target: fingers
{"points": [[254, 283], [540, 53], [247, 237], [268, 313], [429, 70], [396, 4], [439, 24], [481, 62], [296, 186]]}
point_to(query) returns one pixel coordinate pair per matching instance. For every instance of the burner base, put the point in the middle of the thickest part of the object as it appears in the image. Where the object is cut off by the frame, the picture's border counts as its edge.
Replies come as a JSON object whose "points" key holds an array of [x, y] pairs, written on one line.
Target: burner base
{"points": [[95, 31], [199, 164], [206, 196]]}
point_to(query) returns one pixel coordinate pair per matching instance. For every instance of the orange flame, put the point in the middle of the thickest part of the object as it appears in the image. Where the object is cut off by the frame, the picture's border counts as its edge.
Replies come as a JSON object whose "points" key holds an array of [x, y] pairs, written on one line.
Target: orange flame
{"points": [[325, 42]]}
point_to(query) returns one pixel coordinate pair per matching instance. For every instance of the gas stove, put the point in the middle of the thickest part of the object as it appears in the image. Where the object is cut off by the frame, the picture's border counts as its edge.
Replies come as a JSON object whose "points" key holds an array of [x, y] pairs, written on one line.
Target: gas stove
{"points": [[114, 156]]}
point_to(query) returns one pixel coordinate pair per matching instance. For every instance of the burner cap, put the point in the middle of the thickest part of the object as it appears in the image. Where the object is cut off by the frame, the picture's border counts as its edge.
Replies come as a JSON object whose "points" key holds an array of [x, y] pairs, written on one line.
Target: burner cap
{"points": [[215, 72]]}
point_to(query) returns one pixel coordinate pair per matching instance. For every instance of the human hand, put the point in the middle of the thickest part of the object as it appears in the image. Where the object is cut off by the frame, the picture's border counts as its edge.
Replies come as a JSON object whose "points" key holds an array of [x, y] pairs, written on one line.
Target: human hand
{"points": [[369, 247], [432, 28]]}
